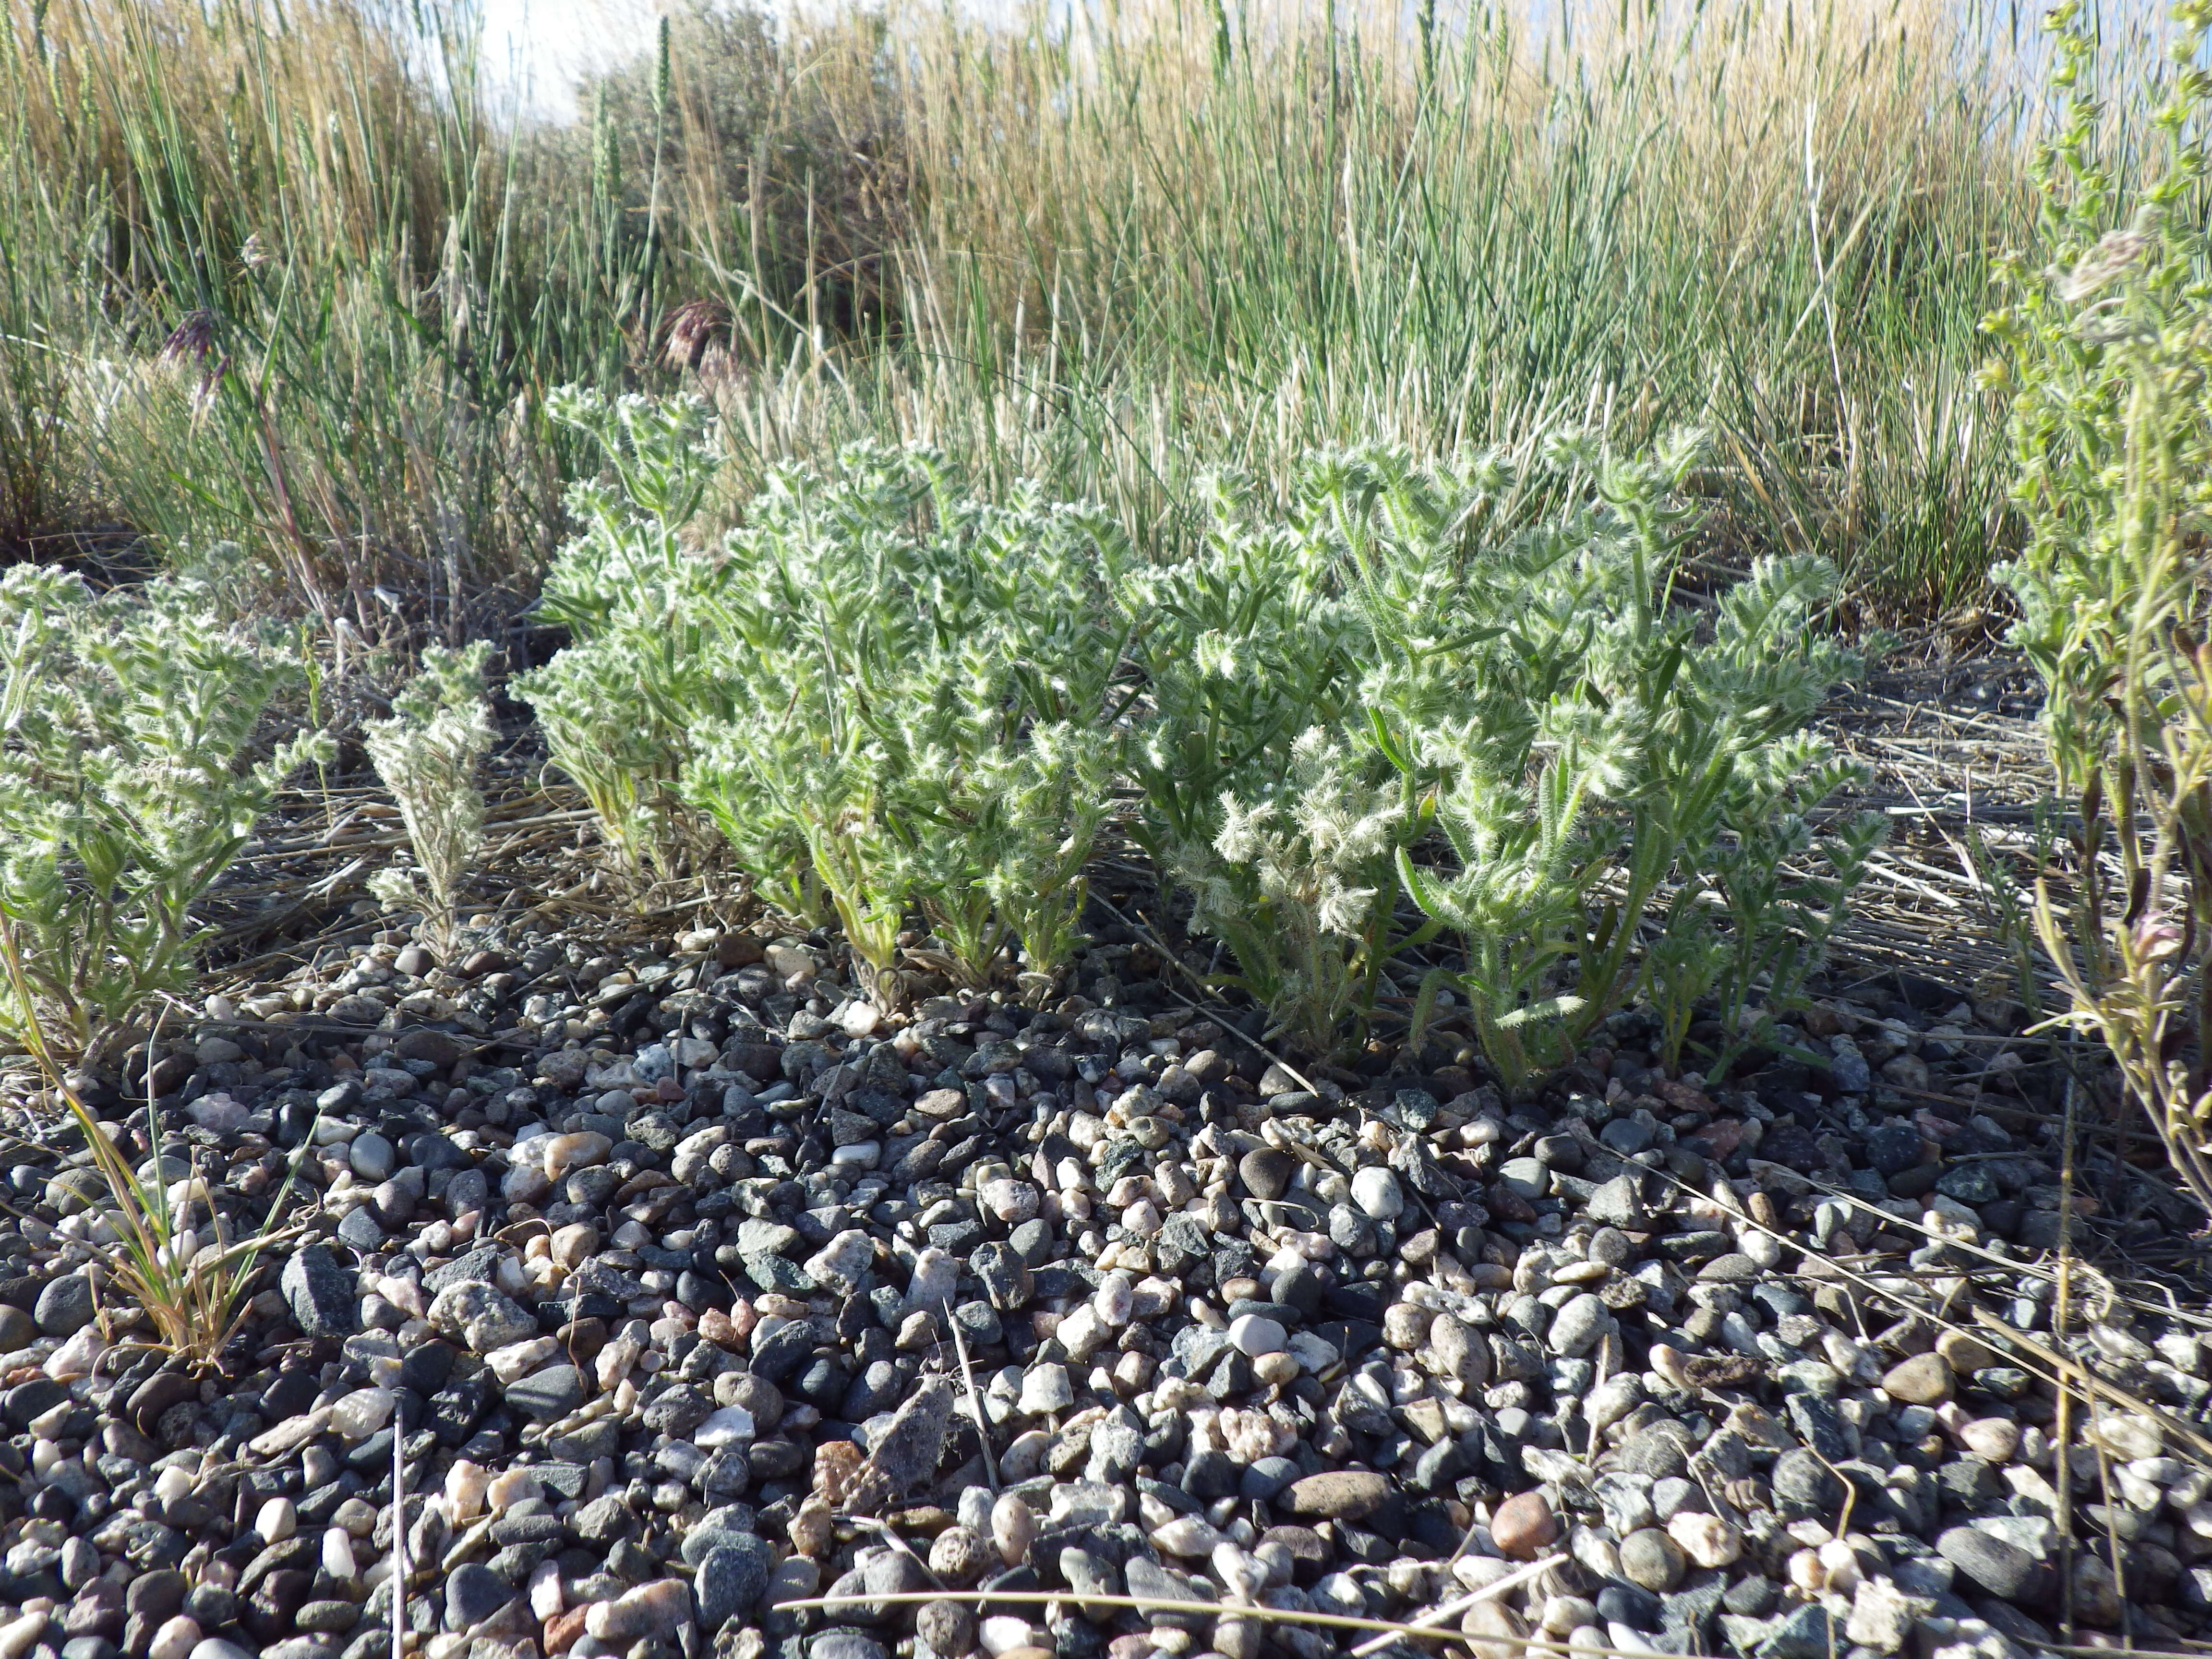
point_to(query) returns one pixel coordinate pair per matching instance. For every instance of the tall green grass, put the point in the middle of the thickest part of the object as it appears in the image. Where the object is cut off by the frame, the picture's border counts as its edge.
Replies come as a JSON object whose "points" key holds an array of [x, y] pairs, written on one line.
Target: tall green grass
{"points": [[1113, 248]]}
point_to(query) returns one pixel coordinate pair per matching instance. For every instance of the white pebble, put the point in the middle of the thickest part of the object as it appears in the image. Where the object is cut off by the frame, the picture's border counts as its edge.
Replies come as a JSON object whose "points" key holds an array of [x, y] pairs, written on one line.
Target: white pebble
{"points": [[1374, 1190], [275, 1520], [1706, 1539], [510, 1487], [1994, 1439], [1186, 1534], [465, 1492], [728, 1426], [1116, 1300], [518, 1360], [2129, 1438], [362, 1413], [1244, 1575], [176, 1640], [1045, 1388], [1841, 1563], [1013, 1526], [1011, 1201], [77, 1355], [561, 1154], [1254, 1334], [546, 1598]]}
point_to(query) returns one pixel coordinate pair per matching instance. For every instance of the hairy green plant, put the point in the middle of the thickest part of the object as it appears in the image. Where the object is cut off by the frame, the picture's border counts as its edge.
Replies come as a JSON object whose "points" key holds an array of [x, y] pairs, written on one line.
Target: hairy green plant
{"points": [[1245, 645], [620, 705], [1299, 882], [2106, 353], [1248, 798], [884, 694], [1580, 743], [917, 683], [1753, 922], [127, 787], [1468, 684], [427, 753]]}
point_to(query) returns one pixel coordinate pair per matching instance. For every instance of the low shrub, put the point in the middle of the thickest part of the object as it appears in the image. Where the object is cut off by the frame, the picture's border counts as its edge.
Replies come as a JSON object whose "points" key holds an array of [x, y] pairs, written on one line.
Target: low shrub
{"points": [[128, 784], [1249, 799], [617, 706], [916, 684], [883, 695], [1470, 688]]}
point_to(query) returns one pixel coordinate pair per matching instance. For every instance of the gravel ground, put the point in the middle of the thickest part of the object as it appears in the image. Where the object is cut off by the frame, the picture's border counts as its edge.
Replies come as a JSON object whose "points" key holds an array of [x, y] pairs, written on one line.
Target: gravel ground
{"points": [[687, 1286]]}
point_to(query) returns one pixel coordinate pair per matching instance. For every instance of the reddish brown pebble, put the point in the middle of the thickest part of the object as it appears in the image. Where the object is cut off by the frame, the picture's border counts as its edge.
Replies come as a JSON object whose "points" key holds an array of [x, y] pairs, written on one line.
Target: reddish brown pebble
{"points": [[1523, 1525], [562, 1629]]}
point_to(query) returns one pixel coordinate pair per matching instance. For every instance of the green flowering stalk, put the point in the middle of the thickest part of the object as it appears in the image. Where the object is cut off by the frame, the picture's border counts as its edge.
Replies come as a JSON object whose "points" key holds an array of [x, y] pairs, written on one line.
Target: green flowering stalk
{"points": [[2106, 341]]}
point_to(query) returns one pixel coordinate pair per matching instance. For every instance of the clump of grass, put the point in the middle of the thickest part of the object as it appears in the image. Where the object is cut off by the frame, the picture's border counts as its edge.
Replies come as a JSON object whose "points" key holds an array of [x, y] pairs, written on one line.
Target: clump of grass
{"points": [[190, 1292]]}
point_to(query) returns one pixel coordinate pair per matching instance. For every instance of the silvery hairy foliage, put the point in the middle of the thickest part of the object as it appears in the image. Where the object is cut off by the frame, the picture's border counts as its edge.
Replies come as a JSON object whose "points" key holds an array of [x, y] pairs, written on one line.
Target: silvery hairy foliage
{"points": [[1469, 687], [1298, 882], [619, 703], [129, 783], [916, 685], [1250, 799], [884, 695], [427, 753], [1586, 746]]}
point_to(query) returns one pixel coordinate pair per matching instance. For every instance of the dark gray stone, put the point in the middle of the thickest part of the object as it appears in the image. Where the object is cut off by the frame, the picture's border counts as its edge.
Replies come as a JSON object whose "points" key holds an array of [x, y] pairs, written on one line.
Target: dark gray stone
{"points": [[779, 1355], [674, 1412], [1807, 1633], [2003, 1569], [1262, 1480], [65, 1305], [1892, 1148], [1804, 1490], [476, 1267], [603, 1519], [473, 1594], [319, 1290], [1618, 1203], [1003, 1275], [731, 1578], [554, 1392]]}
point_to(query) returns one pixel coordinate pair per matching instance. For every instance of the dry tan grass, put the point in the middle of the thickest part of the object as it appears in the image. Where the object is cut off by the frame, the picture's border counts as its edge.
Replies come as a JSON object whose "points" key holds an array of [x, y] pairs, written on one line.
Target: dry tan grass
{"points": [[1111, 246]]}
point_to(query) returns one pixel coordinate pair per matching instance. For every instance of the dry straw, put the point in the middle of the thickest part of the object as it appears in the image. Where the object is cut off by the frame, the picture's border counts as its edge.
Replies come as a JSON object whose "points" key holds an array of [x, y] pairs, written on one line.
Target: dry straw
{"points": [[1111, 246]]}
